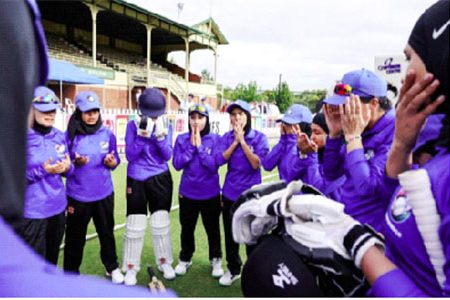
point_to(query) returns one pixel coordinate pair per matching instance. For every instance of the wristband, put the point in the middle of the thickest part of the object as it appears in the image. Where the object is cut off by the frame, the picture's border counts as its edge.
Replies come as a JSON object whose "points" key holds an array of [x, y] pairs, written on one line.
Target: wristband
{"points": [[351, 139]]}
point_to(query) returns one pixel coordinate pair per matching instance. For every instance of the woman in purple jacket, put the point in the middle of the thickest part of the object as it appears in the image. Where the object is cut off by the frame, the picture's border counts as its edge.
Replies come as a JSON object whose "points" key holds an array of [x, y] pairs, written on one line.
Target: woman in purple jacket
{"points": [[47, 161], [90, 189], [243, 149], [149, 185], [284, 155], [311, 159], [199, 188]]}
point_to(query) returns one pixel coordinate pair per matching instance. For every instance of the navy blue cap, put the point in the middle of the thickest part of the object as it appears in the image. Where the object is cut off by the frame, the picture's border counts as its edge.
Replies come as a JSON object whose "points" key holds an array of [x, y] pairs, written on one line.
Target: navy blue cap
{"points": [[152, 103], [296, 114], [241, 104], [45, 99], [364, 83], [86, 101], [200, 109]]}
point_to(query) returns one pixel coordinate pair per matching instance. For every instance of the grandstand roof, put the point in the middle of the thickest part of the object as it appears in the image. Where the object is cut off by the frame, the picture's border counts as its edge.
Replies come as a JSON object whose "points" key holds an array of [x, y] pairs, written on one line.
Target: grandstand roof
{"points": [[210, 23], [123, 20]]}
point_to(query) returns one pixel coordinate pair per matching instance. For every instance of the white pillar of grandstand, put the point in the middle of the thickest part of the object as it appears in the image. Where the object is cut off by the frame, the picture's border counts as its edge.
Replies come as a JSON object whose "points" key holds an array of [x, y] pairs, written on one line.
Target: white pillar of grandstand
{"points": [[149, 47], [94, 10], [215, 64], [186, 69], [169, 101]]}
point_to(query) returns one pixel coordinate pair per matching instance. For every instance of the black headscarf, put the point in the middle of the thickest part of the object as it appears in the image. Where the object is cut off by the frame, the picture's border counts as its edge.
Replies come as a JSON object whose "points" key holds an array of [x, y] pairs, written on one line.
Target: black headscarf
{"points": [[77, 126], [39, 128], [248, 126], [319, 119], [430, 40]]}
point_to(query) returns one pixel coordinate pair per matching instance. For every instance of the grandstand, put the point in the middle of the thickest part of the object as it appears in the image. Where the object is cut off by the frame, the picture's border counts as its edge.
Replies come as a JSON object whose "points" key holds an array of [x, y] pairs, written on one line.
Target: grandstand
{"points": [[127, 46]]}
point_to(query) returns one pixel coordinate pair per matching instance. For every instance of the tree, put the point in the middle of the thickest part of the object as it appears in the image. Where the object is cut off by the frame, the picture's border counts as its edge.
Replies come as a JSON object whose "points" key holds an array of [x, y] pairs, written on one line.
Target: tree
{"points": [[206, 76], [283, 96], [268, 95], [247, 92], [310, 98]]}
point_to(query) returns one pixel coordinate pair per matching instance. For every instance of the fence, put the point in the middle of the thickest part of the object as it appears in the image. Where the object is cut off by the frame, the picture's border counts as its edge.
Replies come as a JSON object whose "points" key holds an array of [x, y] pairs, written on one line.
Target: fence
{"points": [[117, 119]]}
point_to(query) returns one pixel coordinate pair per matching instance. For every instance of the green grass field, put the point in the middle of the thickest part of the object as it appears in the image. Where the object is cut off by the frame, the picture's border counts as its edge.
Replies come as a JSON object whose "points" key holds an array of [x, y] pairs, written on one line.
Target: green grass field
{"points": [[198, 281]]}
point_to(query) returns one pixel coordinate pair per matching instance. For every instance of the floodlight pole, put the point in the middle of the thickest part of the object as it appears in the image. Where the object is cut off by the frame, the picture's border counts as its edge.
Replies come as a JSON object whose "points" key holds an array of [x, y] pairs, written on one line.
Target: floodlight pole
{"points": [[215, 65]]}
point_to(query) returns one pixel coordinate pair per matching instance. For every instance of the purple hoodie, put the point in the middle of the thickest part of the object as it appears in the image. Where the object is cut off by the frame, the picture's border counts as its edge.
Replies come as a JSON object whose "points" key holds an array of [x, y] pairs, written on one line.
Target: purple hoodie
{"points": [[240, 174], [146, 157], [92, 181], [404, 243], [45, 195], [200, 178], [364, 171]]}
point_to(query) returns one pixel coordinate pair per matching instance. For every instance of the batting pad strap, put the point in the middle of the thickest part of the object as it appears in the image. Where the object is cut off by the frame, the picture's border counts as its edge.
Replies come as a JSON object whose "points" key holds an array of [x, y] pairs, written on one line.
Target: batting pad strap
{"points": [[359, 239], [274, 208]]}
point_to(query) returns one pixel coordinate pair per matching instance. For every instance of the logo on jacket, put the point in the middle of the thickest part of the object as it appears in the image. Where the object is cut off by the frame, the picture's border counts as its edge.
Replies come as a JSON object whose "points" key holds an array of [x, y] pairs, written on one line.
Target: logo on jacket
{"points": [[104, 146], [60, 150], [208, 150], [400, 208], [284, 276], [369, 154]]}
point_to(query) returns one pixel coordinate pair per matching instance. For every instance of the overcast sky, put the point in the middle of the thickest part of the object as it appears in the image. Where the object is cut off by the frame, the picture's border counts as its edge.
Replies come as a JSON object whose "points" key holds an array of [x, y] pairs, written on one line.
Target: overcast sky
{"points": [[310, 42]]}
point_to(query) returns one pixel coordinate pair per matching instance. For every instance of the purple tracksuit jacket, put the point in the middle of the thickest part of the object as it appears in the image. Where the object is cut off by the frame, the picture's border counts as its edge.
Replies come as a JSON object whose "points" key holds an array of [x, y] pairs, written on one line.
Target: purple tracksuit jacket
{"points": [[284, 155], [240, 175], [364, 171], [415, 275], [92, 182], [146, 157], [312, 173], [200, 178], [23, 273], [45, 195]]}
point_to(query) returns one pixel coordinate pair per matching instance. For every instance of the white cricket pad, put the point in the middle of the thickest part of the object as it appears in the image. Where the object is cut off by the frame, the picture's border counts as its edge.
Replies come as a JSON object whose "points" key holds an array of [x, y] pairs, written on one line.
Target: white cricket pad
{"points": [[162, 244], [133, 241]]}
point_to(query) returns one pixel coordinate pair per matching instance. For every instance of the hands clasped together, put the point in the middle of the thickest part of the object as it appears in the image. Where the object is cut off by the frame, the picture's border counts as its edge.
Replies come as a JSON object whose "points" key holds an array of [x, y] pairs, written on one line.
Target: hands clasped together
{"points": [[59, 167]]}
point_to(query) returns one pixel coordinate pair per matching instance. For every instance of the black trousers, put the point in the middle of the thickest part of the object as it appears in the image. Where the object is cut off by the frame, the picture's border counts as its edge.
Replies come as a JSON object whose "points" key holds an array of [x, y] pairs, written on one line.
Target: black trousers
{"points": [[210, 211], [234, 262], [154, 193], [44, 235], [78, 216]]}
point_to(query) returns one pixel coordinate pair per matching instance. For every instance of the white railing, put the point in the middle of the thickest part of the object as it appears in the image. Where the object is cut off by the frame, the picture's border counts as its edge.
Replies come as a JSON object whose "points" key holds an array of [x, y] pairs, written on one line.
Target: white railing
{"points": [[117, 120]]}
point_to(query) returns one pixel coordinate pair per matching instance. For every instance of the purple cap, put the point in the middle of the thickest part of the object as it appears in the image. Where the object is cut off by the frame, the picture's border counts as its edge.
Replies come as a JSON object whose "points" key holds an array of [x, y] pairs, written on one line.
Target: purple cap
{"points": [[86, 101], [364, 83], [152, 103], [45, 99], [296, 114], [241, 104]]}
